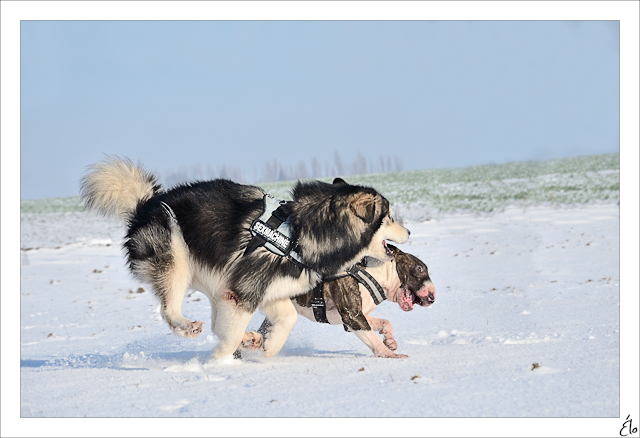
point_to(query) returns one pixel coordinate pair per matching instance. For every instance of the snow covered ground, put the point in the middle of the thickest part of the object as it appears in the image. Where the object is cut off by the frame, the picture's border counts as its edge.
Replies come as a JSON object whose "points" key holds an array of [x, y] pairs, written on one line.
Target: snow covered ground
{"points": [[514, 289]]}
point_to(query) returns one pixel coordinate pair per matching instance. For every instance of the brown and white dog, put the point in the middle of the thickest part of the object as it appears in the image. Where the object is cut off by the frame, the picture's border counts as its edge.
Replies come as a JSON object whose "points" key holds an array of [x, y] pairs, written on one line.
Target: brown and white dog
{"points": [[405, 280]]}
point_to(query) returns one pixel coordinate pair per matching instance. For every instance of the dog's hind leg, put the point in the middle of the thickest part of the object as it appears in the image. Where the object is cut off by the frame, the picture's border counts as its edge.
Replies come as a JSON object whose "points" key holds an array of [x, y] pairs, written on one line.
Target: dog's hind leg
{"points": [[177, 281], [230, 325], [162, 259], [282, 316]]}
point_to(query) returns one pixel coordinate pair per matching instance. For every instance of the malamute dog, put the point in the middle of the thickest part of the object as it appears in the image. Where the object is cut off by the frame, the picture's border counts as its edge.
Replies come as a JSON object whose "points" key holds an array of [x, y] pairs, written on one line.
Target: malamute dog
{"points": [[199, 235]]}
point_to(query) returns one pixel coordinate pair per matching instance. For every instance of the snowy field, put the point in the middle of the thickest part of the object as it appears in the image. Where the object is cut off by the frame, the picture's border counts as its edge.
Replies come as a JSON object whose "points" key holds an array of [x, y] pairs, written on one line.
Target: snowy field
{"points": [[516, 286]]}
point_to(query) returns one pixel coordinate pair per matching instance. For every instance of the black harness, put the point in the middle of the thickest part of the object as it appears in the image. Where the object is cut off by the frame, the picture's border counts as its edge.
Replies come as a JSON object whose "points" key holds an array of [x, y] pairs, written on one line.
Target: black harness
{"points": [[272, 230], [361, 276]]}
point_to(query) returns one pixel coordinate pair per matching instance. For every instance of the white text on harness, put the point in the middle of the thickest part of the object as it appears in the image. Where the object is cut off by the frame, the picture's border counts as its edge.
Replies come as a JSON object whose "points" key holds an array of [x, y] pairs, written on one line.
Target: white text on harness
{"points": [[274, 237]]}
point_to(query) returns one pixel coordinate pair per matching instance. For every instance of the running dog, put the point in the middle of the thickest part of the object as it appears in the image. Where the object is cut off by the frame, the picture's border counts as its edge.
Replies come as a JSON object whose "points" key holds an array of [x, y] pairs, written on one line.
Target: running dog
{"points": [[217, 237], [349, 300]]}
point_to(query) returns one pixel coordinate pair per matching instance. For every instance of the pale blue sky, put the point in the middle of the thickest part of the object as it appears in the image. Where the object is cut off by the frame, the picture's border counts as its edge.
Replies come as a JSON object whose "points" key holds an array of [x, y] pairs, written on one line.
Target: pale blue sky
{"points": [[433, 93]]}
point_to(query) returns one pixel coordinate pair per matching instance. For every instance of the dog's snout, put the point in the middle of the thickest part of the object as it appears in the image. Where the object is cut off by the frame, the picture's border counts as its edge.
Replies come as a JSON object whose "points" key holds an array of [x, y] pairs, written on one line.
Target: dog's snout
{"points": [[427, 294], [408, 231]]}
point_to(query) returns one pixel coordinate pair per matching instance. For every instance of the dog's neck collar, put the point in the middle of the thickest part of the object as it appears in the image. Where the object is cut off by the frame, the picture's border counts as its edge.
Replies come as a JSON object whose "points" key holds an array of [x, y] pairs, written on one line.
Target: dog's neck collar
{"points": [[371, 262]]}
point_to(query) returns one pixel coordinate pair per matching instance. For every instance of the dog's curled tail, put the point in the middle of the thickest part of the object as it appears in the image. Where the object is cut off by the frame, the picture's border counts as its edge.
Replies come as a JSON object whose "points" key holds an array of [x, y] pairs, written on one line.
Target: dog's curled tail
{"points": [[115, 187]]}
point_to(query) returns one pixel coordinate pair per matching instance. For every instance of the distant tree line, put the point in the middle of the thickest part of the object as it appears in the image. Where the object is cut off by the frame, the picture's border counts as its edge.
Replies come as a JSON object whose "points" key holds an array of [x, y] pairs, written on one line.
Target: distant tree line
{"points": [[273, 170]]}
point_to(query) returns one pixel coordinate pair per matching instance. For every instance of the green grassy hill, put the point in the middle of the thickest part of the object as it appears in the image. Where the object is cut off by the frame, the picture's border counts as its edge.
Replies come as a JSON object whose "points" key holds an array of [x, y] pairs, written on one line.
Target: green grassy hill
{"points": [[577, 180]]}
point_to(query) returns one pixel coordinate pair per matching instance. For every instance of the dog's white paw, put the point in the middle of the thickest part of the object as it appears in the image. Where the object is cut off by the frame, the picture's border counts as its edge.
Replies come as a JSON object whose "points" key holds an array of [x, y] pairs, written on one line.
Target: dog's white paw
{"points": [[189, 329], [388, 354], [252, 340], [398, 356], [390, 343], [195, 329]]}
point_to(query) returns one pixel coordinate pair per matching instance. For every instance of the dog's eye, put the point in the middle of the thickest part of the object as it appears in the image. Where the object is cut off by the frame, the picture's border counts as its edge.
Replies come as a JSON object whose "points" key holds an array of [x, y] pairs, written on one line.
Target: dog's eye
{"points": [[420, 269]]}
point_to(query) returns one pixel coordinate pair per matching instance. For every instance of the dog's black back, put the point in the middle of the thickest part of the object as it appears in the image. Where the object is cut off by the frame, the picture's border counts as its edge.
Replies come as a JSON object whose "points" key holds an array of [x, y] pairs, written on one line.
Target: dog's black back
{"points": [[212, 216]]}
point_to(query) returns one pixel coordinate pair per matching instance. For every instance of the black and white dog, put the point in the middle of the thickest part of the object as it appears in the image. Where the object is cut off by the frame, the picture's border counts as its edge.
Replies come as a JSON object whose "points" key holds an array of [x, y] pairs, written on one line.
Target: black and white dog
{"points": [[211, 236], [349, 300]]}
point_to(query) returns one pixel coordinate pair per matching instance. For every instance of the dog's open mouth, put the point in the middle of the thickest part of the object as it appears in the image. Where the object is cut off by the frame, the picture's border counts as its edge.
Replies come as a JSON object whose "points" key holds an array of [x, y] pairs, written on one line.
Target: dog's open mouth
{"points": [[387, 251], [407, 298]]}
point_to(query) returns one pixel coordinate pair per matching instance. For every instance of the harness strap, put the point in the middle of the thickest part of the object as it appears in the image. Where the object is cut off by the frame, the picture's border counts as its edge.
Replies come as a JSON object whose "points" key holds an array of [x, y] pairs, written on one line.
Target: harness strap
{"points": [[173, 221], [360, 275], [274, 222], [272, 231], [370, 283], [318, 304]]}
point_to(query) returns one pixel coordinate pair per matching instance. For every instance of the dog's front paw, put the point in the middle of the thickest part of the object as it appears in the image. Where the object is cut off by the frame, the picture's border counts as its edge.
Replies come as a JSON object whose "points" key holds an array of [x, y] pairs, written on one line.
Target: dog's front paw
{"points": [[190, 329], [252, 340], [390, 343], [390, 355], [398, 356]]}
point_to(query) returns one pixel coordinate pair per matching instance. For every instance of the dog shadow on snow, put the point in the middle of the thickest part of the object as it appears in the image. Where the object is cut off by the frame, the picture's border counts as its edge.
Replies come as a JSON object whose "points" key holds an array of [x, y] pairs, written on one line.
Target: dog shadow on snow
{"points": [[134, 359], [304, 351], [128, 361]]}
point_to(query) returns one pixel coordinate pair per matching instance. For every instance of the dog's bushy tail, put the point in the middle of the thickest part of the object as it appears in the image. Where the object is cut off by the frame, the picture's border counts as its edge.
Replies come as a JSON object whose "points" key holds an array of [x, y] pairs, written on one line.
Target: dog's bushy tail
{"points": [[115, 186]]}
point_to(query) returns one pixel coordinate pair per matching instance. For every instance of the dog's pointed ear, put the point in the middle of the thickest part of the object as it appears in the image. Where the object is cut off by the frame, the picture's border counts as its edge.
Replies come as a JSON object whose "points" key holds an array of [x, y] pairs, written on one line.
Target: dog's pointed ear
{"points": [[339, 181], [364, 206]]}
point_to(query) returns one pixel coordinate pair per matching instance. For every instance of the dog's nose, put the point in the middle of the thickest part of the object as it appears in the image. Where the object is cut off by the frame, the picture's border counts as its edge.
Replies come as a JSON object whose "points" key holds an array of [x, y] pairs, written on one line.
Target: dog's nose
{"points": [[426, 301], [408, 231]]}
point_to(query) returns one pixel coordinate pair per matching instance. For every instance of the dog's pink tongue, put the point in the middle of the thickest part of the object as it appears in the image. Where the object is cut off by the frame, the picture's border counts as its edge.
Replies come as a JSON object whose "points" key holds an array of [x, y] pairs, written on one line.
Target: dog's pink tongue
{"points": [[406, 300]]}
